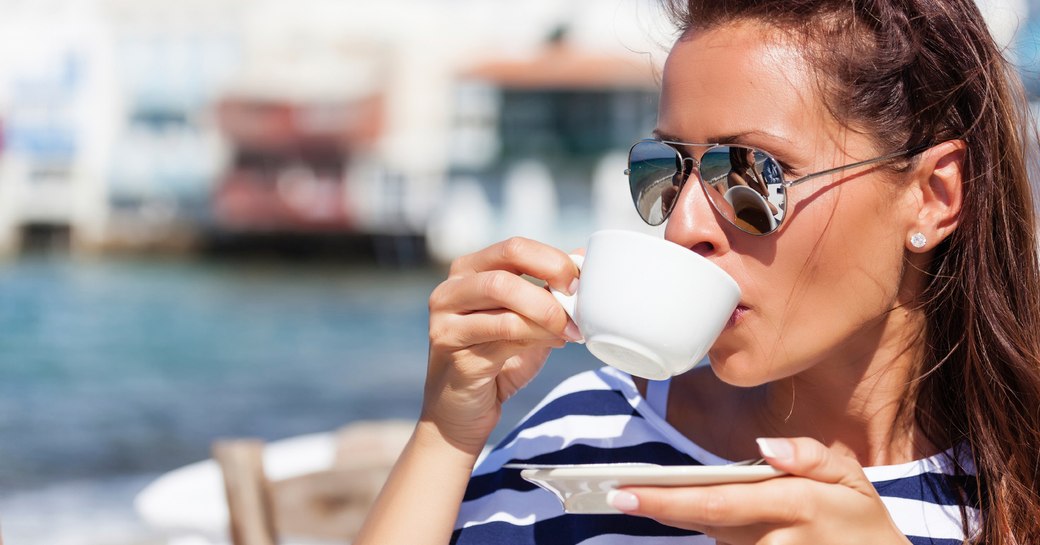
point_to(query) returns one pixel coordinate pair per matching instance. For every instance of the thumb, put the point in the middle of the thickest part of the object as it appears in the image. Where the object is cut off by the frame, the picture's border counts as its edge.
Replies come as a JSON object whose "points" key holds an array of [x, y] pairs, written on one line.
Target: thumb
{"points": [[805, 457]]}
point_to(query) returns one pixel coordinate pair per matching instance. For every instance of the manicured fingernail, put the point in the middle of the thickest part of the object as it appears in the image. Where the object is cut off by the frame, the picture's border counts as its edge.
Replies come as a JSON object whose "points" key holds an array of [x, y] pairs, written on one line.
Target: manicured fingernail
{"points": [[572, 287], [780, 450], [572, 333], [622, 501]]}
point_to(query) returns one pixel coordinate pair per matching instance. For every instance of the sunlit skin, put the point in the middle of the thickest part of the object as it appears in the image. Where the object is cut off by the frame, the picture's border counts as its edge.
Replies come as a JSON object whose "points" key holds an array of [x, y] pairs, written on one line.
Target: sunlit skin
{"points": [[814, 361], [822, 333]]}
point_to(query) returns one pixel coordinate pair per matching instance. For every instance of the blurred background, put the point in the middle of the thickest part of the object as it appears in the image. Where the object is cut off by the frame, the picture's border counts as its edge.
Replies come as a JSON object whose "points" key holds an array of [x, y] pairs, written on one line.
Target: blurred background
{"points": [[223, 218]]}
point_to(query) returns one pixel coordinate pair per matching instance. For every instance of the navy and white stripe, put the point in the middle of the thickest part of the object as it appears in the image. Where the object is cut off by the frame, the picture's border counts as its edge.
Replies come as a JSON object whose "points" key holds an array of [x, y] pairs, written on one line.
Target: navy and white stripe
{"points": [[600, 417]]}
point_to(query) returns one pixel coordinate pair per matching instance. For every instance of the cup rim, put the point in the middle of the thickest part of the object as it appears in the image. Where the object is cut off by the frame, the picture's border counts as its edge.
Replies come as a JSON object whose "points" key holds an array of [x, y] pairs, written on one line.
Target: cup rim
{"points": [[663, 241]]}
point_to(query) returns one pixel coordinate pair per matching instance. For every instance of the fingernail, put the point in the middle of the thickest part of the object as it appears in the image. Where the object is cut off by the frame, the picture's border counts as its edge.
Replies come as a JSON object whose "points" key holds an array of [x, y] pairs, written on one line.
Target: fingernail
{"points": [[780, 450], [622, 501], [572, 287], [572, 333]]}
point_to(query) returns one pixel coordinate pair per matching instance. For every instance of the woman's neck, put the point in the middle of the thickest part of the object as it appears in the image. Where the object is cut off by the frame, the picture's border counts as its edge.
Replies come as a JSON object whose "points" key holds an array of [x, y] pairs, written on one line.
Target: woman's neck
{"points": [[856, 403]]}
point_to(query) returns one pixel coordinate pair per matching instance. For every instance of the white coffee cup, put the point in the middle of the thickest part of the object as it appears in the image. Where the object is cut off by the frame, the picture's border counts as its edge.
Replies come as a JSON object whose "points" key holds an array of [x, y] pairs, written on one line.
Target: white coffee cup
{"points": [[647, 306]]}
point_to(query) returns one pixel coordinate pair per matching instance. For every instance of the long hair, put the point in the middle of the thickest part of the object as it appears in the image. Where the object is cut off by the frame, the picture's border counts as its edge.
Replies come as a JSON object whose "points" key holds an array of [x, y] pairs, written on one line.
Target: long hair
{"points": [[917, 72]]}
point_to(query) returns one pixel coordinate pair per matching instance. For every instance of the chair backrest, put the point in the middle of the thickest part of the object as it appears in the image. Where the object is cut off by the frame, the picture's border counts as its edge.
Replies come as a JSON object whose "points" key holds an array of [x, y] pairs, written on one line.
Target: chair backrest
{"points": [[328, 505]]}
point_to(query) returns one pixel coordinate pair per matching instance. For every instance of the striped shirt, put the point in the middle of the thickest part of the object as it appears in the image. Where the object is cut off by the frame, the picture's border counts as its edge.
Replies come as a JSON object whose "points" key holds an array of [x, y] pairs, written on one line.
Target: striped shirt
{"points": [[600, 417]]}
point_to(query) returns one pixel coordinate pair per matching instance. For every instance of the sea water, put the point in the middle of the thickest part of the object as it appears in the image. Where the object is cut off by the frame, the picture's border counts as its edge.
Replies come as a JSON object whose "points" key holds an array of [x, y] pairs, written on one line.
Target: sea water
{"points": [[115, 371]]}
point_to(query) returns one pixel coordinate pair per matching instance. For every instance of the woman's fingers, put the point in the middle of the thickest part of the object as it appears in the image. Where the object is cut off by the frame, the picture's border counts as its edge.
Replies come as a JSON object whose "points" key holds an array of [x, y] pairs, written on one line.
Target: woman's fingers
{"points": [[490, 333], [808, 458], [487, 292], [491, 355], [701, 507], [519, 255], [488, 281], [818, 480], [455, 332]]}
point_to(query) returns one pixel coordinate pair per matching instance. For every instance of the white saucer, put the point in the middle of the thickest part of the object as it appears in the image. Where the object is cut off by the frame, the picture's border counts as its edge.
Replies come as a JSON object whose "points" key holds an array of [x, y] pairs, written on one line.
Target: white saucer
{"points": [[583, 488]]}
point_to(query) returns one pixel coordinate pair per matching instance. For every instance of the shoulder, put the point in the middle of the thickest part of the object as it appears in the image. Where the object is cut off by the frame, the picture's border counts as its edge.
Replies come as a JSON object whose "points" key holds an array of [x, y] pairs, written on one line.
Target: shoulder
{"points": [[925, 497]]}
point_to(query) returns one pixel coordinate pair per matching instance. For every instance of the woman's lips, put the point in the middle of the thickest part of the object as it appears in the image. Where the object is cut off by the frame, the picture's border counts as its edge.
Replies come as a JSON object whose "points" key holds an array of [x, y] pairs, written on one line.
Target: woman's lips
{"points": [[738, 313]]}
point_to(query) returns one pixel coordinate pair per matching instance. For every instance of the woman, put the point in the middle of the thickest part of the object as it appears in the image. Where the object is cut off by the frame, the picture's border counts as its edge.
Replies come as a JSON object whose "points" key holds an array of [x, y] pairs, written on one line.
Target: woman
{"points": [[884, 354], [747, 192], [742, 171]]}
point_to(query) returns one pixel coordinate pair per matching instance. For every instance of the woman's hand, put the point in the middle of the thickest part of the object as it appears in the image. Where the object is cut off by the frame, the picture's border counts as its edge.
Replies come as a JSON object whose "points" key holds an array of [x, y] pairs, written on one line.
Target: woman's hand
{"points": [[490, 333], [825, 499]]}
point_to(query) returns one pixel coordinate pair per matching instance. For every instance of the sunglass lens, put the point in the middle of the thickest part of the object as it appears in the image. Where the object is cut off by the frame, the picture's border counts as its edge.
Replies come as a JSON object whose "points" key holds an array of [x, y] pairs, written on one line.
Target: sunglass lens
{"points": [[655, 179], [745, 185]]}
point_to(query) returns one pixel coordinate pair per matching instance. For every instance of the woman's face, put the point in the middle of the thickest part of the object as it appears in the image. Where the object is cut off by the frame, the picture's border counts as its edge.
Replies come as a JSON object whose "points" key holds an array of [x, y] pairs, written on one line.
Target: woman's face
{"points": [[820, 289]]}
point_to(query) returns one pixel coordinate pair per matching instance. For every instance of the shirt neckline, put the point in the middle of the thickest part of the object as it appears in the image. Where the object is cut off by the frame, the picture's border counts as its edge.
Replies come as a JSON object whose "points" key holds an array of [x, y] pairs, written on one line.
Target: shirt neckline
{"points": [[941, 462]]}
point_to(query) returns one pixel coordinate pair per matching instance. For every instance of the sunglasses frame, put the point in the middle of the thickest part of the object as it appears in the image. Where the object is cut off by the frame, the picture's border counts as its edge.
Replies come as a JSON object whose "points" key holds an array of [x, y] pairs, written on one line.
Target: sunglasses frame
{"points": [[784, 182]]}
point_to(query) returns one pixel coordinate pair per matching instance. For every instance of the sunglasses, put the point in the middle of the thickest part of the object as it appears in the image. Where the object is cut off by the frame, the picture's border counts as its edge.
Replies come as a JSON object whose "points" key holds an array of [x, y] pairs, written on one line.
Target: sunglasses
{"points": [[746, 185]]}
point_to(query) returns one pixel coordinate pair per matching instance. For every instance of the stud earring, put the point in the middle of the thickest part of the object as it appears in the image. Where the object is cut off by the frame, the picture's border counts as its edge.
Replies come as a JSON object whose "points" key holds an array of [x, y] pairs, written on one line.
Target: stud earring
{"points": [[918, 241]]}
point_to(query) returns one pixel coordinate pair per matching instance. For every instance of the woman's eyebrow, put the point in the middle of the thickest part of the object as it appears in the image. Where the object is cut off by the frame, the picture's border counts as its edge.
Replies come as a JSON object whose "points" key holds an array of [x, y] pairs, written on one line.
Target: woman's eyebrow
{"points": [[736, 138], [663, 136], [753, 135]]}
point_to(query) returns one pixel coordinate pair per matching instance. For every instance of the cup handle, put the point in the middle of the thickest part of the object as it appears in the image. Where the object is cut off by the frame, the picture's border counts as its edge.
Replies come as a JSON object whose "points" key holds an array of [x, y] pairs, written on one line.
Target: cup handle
{"points": [[568, 301]]}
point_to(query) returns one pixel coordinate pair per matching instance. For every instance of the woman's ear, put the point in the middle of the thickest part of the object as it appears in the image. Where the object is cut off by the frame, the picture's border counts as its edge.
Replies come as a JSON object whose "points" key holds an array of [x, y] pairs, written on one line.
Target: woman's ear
{"points": [[939, 187]]}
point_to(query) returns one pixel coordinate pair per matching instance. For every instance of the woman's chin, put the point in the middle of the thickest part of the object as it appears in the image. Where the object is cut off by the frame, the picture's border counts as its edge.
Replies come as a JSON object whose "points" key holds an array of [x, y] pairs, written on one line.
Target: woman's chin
{"points": [[738, 371]]}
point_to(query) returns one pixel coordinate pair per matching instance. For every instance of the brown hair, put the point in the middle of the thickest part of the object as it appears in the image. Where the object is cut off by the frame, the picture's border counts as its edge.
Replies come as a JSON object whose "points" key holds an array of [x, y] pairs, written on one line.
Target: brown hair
{"points": [[917, 72]]}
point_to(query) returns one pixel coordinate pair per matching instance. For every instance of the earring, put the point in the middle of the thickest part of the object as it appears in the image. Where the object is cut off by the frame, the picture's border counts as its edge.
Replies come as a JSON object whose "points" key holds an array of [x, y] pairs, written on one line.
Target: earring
{"points": [[918, 241]]}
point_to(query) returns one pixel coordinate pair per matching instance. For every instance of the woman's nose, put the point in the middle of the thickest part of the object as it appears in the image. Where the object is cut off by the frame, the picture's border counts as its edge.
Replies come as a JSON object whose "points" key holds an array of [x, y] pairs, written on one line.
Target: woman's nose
{"points": [[693, 222]]}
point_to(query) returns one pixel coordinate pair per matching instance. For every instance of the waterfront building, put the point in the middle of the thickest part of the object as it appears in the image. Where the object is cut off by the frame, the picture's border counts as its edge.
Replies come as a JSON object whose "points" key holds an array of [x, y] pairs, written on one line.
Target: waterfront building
{"points": [[141, 123]]}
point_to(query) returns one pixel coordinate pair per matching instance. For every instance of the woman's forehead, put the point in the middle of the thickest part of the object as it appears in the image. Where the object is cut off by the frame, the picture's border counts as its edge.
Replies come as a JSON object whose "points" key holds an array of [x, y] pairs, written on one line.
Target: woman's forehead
{"points": [[736, 79]]}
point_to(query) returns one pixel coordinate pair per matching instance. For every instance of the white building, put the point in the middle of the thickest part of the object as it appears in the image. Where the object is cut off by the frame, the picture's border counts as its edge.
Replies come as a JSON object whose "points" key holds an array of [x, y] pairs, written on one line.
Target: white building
{"points": [[108, 105], [114, 112], [59, 110]]}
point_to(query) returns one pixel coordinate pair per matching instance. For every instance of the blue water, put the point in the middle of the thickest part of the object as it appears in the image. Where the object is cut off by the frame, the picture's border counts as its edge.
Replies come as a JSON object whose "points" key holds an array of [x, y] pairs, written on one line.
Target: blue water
{"points": [[113, 371]]}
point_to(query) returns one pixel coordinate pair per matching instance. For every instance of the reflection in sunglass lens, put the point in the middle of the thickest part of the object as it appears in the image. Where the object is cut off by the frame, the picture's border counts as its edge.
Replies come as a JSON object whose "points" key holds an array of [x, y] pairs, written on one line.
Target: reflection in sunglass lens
{"points": [[654, 178], [744, 184]]}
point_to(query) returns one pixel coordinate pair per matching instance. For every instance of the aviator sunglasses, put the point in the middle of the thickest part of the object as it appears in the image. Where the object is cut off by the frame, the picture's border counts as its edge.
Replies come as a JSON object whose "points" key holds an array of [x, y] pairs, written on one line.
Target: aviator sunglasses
{"points": [[746, 185]]}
